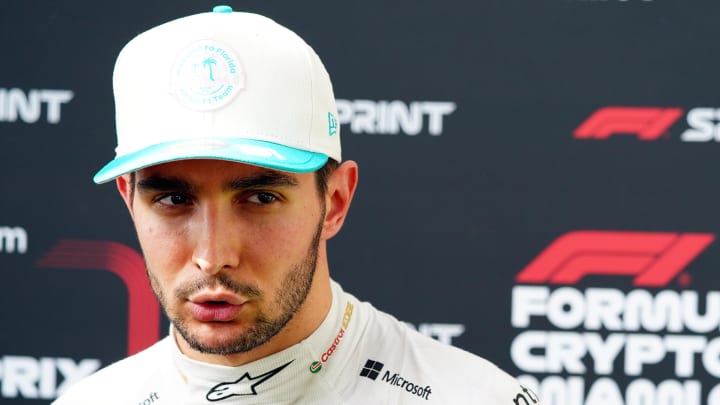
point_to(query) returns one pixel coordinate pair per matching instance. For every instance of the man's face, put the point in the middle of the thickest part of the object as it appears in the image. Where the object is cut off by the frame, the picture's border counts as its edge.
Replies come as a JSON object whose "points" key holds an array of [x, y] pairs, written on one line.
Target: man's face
{"points": [[230, 249]]}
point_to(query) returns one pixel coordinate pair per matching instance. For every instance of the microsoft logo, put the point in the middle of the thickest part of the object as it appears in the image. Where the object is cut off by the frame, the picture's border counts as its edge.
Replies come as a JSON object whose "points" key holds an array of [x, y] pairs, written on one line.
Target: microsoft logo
{"points": [[371, 369]]}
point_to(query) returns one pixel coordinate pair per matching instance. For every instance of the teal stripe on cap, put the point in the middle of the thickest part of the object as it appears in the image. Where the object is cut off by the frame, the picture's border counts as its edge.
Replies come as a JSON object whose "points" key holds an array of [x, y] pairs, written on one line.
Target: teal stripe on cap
{"points": [[222, 9], [249, 151]]}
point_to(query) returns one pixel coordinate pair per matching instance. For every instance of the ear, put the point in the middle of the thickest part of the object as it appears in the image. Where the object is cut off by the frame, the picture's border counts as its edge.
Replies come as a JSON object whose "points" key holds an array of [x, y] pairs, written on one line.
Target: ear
{"points": [[340, 191], [126, 192]]}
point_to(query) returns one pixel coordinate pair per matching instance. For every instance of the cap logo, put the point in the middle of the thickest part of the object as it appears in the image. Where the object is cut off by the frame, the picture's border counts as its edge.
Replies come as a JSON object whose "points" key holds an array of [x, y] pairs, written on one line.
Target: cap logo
{"points": [[207, 75], [332, 124]]}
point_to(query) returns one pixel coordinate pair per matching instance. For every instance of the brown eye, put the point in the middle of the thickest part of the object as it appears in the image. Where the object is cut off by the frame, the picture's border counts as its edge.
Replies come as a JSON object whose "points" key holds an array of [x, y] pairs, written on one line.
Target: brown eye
{"points": [[263, 198], [174, 199]]}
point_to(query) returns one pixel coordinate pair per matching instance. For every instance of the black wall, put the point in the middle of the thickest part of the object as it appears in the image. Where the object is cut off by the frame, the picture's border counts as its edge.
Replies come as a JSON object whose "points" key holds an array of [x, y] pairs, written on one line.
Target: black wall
{"points": [[587, 127]]}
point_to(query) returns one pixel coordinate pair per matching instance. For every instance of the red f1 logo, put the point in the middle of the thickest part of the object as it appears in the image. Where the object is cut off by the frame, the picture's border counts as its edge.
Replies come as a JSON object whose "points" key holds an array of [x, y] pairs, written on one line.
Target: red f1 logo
{"points": [[126, 263], [654, 258], [648, 123]]}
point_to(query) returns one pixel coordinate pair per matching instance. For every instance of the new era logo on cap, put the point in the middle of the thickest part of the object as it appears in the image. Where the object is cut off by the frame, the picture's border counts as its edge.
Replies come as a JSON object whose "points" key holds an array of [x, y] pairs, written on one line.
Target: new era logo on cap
{"points": [[371, 369], [332, 124]]}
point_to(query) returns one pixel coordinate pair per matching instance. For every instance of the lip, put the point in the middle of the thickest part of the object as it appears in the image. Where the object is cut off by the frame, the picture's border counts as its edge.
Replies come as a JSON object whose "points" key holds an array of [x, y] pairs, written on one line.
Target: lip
{"points": [[216, 296], [215, 307]]}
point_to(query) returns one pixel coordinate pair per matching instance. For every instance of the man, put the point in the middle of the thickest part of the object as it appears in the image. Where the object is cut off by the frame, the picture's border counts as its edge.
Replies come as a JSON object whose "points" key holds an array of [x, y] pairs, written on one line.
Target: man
{"points": [[228, 161]]}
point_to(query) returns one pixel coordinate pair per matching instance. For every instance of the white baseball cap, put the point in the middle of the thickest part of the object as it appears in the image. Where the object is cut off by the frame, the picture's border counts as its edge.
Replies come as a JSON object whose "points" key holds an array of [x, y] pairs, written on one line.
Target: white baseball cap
{"points": [[222, 85]]}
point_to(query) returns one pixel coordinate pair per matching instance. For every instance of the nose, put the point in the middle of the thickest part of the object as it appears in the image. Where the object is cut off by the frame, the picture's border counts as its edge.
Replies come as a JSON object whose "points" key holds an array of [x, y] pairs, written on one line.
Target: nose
{"points": [[216, 243]]}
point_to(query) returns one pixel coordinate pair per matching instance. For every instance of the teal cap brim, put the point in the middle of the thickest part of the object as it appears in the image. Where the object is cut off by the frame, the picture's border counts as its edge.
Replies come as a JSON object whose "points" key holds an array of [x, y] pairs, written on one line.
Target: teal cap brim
{"points": [[241, 150]]}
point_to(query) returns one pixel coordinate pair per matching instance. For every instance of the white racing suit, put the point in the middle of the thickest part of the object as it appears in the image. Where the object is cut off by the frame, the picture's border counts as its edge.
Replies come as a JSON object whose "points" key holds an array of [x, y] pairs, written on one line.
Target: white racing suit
{"points": [[358, 355]]}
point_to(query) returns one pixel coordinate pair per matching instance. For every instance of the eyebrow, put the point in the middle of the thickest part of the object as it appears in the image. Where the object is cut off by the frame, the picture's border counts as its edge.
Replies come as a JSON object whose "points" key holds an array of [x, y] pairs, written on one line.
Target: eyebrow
{"points": [[261, 179], [157, 183], [161, 183]]}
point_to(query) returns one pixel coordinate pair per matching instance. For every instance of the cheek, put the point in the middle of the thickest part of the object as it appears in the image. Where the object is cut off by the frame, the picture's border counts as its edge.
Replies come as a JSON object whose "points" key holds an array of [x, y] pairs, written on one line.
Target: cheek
{"points": [[284, 240], [161, 245]]}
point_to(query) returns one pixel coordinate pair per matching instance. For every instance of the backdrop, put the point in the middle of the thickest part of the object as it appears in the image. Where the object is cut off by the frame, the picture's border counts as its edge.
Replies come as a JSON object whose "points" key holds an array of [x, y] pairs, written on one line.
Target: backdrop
{"points": [[537, 186]]}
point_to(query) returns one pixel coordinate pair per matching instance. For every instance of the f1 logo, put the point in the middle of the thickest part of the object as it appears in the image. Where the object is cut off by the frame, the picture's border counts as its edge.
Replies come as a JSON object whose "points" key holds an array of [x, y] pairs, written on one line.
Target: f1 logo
{"points": [[126, 263], [654, 258], [647, 123]]}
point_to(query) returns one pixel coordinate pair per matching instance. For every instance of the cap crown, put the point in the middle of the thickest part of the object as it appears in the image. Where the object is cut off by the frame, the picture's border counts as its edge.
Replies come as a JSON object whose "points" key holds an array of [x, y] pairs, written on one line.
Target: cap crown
{"points": [[197, 81]]}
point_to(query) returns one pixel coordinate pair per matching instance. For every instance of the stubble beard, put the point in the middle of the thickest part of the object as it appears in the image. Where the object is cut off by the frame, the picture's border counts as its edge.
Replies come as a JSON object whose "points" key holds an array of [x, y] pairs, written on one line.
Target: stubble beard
{"points": [[291, 295]]}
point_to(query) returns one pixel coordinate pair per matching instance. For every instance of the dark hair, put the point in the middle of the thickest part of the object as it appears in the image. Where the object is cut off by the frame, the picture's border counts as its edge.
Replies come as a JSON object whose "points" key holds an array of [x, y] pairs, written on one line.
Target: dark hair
{"points": [[323, 174], [132, 188]]}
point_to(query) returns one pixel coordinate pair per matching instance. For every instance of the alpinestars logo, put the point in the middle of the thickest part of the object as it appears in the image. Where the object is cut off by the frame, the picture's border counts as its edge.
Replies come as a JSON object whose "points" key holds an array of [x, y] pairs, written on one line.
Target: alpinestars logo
{"points": [[645, 344], [245, 385], [372, 369], [526, 397]]}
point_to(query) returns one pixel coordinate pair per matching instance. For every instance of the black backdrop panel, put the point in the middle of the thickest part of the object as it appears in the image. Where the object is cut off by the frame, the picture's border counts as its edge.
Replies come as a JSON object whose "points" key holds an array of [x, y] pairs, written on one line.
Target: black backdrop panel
{"points": [[537, 186]]}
